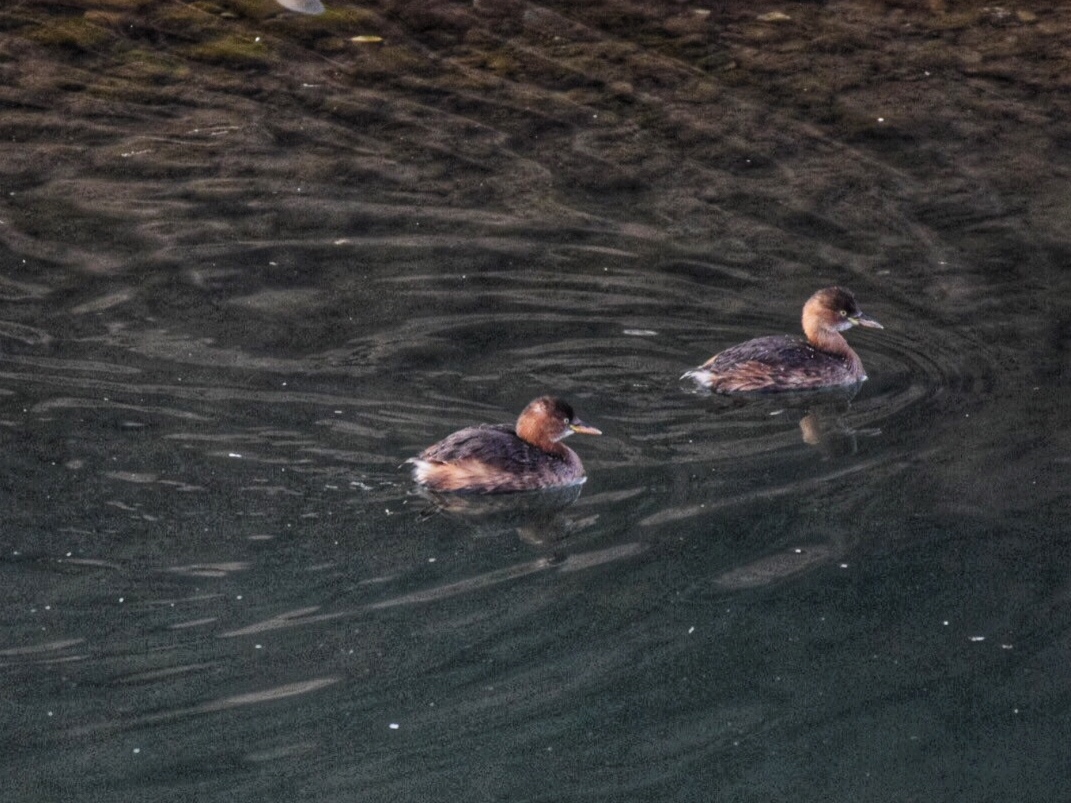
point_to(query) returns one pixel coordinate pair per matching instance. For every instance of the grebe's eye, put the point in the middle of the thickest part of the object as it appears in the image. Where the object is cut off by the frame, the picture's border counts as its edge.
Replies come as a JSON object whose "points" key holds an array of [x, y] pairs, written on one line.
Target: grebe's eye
{"points": [[844, 313]]}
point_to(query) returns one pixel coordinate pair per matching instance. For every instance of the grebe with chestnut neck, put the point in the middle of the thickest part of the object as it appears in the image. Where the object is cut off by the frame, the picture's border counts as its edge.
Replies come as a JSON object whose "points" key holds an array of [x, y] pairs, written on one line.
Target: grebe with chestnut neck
{"points": [[785, 363], [497, 458]]}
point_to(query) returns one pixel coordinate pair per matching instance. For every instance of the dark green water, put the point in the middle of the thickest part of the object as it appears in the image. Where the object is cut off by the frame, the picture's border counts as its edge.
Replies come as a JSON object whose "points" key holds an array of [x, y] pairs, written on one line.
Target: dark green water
{"points": [[243, 279]]}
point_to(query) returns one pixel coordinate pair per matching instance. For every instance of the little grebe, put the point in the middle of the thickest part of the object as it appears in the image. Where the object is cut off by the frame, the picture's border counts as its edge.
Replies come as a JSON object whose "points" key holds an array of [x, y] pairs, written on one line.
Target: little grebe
{"points": [[780, 362], [496, 458]]}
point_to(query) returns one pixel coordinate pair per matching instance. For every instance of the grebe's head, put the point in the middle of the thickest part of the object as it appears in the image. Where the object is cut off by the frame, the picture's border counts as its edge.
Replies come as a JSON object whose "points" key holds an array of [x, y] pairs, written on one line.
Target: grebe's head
{"points": [[835, 308], [547, 420]]}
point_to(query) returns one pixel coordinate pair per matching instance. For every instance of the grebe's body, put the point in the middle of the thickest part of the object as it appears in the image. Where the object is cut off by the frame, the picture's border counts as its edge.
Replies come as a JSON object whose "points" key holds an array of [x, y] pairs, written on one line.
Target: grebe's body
{"points": [[784, 363], [498, 459]]}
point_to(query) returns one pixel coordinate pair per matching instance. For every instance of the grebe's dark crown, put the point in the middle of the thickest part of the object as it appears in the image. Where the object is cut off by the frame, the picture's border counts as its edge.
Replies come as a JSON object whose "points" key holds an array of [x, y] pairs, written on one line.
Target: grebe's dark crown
{"points": [[840, 299], [552, 406], [562, 408]]}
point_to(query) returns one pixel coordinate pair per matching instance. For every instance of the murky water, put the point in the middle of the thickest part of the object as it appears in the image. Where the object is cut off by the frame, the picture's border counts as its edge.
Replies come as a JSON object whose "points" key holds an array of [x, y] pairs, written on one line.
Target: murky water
{"points": [[251, 261]]}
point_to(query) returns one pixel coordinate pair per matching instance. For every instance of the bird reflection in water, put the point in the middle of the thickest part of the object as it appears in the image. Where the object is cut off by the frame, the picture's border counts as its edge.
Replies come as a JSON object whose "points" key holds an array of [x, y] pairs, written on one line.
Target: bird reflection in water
{"points": [[824, 415], [537, 517], [825, 428]]}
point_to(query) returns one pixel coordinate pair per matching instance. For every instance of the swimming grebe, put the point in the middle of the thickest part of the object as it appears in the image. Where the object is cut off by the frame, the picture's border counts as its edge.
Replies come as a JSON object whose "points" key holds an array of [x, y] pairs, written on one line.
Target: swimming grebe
{"points": [[497, 458], [780, 362]]}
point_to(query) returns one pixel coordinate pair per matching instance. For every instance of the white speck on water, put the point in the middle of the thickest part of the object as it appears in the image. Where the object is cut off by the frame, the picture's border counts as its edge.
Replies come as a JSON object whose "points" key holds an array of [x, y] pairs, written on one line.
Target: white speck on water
{"points": [[640, 332], [977, 638], [691, 630], [394, 726], [432, 560], [303, 6], [844, 565], [234, 454], [137, 750]]}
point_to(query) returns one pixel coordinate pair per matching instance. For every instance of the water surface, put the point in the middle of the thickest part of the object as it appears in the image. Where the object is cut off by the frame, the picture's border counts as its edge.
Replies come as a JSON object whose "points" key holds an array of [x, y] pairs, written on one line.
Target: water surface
{"points": [[251, 261]]}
